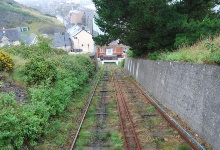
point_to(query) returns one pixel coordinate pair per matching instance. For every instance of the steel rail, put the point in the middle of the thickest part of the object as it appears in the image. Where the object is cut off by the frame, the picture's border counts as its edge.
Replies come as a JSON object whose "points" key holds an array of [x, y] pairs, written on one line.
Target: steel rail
{"points": [[184, 134], [121, 97], [122, 127], [84, 115]]}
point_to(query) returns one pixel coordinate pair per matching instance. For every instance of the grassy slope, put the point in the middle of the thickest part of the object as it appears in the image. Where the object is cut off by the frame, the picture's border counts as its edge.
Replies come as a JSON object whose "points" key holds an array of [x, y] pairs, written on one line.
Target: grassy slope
{"points": [[61, 127], [205, 51], [14, 14]]}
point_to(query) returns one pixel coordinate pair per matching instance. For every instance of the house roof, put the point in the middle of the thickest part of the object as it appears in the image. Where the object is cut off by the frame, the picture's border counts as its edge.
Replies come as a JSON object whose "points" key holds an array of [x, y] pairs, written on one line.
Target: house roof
{"points": [[12, 34], [28, 39], [31, 38], [74, 30], [76, 33], [114, 42], [75, 11], [61, 40]]}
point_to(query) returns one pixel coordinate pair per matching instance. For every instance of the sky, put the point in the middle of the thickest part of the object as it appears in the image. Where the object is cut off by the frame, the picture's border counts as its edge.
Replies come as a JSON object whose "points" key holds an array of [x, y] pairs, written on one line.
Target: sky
{"points": [[77, 1]]}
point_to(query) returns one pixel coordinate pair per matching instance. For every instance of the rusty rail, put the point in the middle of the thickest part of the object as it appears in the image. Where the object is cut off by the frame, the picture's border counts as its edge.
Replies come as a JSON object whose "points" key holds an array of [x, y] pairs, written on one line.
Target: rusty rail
{"points": [[127, 126], [84, 115], [184, 134]]}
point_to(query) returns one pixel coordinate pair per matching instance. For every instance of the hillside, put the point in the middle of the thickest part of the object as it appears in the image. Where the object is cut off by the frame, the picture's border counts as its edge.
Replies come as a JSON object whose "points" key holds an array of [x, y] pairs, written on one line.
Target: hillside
{"points": [[13, 15], [43, 83]]}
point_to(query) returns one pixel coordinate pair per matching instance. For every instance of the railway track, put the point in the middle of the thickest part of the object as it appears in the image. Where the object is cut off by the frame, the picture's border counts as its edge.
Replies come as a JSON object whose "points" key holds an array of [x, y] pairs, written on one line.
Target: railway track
{"points": [[142, 128], [84, 114], [129, 134]]}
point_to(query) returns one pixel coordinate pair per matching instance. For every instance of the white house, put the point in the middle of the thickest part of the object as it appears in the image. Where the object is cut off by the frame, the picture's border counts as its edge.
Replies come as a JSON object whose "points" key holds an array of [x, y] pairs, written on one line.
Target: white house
{"points": [[9, 37], [82, 42]]}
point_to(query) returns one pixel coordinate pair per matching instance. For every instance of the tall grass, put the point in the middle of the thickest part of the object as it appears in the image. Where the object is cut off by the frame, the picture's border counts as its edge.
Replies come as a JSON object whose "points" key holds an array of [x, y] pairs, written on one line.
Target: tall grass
{"points": [[204, 51]]}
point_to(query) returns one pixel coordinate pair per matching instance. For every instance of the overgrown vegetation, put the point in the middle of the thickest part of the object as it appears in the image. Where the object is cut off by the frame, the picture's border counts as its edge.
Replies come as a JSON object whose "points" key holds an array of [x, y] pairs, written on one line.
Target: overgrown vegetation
{"points": [[111, 137], [122, 63], [206, 51], [52, 79]]}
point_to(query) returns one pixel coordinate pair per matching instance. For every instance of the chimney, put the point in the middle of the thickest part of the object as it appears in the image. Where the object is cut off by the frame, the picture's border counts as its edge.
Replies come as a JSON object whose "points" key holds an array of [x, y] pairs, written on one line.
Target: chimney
{"points": [[3, 30]]}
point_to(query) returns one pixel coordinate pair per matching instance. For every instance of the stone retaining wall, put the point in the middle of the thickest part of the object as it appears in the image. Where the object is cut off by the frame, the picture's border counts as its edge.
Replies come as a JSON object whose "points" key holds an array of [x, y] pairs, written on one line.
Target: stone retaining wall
{"points": [[191, 91]]}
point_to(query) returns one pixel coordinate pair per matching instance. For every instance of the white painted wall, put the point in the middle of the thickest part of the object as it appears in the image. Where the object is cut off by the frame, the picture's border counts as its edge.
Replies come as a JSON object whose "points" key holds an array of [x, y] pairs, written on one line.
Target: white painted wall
{"points": [[84, 41]]}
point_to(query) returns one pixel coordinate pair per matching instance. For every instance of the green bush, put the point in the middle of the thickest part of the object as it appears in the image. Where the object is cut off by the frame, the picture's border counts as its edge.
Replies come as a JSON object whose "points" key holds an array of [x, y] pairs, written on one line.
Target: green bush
{"points": [[122, 63], [130, 53], [214, 53], [53, 78], [6, 62], [22, 125], [7, 99], [154, 55], [38, 70]]}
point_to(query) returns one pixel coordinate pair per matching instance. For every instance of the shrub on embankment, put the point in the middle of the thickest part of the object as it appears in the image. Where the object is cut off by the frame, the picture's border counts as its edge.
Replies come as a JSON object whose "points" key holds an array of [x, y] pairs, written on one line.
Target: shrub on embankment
{"points": [[6, 63], [205, 51], [51, 78]]}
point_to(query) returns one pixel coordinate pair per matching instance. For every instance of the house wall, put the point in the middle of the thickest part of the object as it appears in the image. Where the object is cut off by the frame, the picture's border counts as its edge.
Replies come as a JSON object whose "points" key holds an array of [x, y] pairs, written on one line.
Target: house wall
{"points": [[16, 43], [117, 50], [83, 41], [67, 48], [189, 90], [5, 41], [76, 18], [1, 44]]}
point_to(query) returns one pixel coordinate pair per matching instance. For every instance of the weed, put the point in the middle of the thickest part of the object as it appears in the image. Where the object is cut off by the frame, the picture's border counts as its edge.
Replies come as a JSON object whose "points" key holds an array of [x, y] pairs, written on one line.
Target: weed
{"points": [[170, 130], [151, 108], [154, 55], [117, 141], [183, 147], [122, 63]]}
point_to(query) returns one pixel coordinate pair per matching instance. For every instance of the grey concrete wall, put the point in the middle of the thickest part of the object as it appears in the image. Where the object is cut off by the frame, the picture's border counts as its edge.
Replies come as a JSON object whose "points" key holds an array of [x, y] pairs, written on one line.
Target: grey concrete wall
{"points": [[191, 91]]}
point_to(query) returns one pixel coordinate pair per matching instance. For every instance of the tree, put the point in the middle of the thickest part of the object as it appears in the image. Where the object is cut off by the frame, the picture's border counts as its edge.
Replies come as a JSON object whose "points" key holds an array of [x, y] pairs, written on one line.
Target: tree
{"points": [[134, 22], [195, 9], [147, 25]]}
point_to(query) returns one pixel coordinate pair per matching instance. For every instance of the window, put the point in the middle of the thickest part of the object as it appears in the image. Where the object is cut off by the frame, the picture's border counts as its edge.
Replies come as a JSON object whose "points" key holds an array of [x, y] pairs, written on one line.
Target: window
{"points": [[109, 51], [100, 50], [124, 51], [119, 56], [114, 50]]}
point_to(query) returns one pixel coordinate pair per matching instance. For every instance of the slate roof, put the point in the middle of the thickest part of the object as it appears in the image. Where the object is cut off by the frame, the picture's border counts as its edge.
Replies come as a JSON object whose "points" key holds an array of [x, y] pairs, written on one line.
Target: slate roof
{"points": [[74, 30], [61, 40], [31, 38], [11, 34]]}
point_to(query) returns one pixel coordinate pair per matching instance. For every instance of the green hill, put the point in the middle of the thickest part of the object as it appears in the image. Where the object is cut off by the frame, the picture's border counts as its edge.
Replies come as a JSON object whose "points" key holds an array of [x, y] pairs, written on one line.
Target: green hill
{"points": [[13, 15]]}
